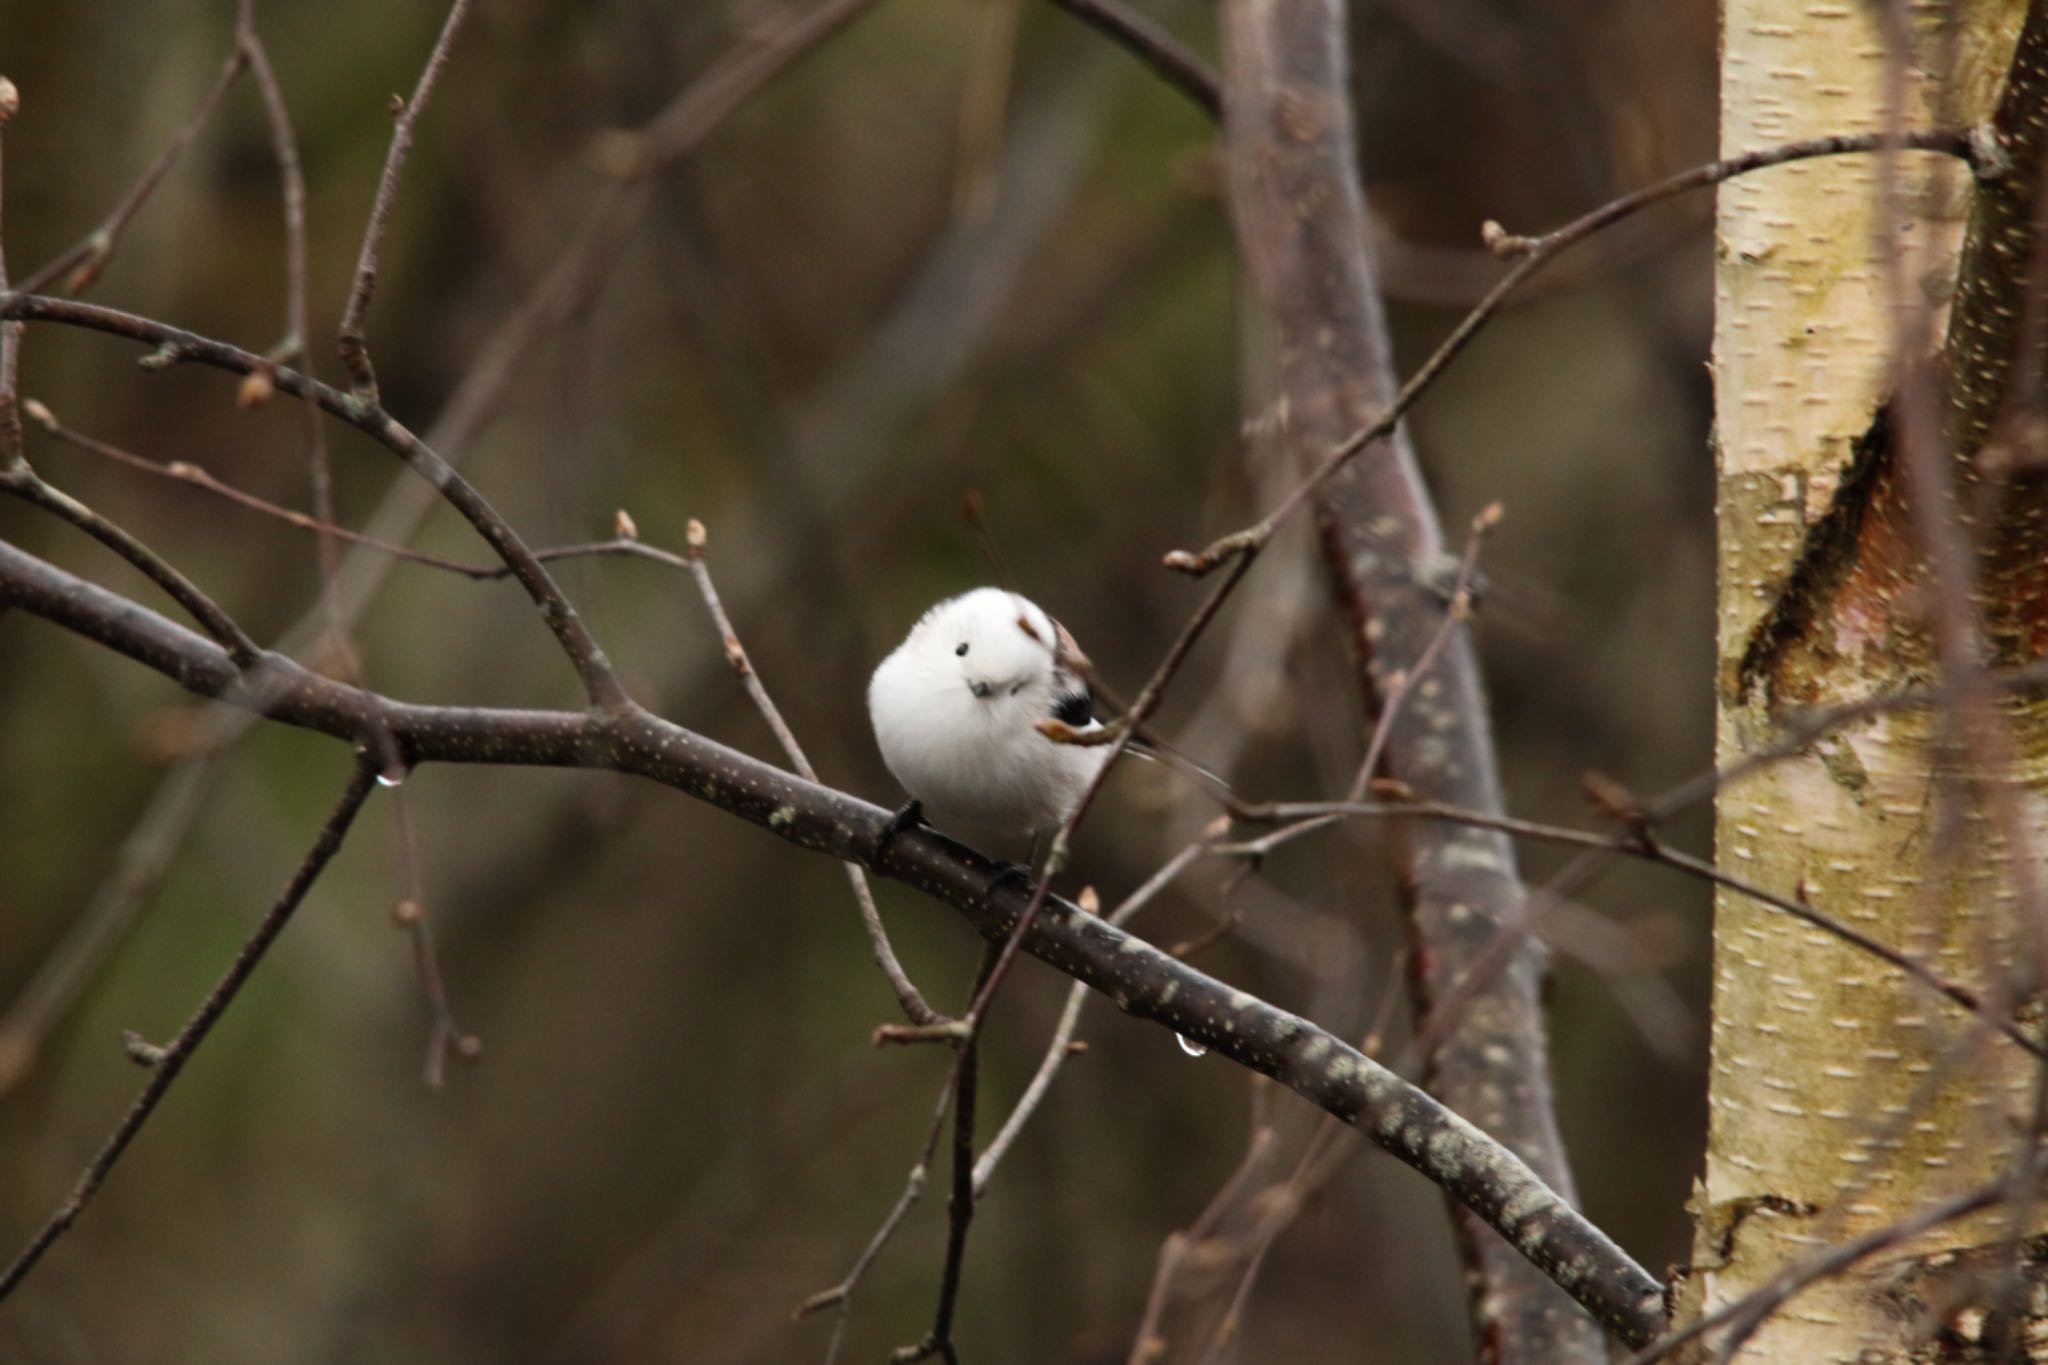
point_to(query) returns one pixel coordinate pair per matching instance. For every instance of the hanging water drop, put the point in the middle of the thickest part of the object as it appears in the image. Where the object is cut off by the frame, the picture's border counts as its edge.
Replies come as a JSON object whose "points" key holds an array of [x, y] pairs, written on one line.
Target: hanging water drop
{"points": [[1192, 1049]]}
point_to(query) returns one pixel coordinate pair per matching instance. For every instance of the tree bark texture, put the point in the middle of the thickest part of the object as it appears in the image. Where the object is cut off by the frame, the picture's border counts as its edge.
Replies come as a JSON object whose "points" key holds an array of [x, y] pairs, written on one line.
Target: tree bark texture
{"points": [[1302, 228], [1842, 1097]]}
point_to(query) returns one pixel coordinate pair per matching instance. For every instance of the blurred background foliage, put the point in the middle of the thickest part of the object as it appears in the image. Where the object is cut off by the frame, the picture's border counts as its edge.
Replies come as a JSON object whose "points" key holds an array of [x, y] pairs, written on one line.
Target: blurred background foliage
{"points": [[836, 317]]}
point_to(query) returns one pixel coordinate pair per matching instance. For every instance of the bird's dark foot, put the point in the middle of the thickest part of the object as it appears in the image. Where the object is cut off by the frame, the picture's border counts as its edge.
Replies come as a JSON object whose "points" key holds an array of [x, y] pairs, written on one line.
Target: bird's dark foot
{"points": [[910, 817], [1018, 874]]}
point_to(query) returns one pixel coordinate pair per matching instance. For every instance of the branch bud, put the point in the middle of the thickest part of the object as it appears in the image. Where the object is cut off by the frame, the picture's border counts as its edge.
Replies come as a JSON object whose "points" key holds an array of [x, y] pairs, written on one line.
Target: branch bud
{"points": [[10, 99]]}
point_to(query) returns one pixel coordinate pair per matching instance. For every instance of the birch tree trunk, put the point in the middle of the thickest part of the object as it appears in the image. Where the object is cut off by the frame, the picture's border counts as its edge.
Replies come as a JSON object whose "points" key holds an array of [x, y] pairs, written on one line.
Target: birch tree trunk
{"points": [[1845, 1096]]}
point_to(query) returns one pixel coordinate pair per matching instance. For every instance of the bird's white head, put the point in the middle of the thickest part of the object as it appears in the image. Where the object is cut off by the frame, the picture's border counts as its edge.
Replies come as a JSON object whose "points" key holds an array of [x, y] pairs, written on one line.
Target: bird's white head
{"points": [[999, 653]]}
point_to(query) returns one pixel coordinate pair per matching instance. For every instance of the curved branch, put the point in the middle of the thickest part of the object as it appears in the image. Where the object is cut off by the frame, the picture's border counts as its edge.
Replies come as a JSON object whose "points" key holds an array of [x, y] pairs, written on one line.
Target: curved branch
{"points": [[175, 345], [1142, 980]]}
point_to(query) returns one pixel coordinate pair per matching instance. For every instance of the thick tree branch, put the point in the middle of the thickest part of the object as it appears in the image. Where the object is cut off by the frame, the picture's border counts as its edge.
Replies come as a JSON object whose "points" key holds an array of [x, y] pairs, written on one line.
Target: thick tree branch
{"points": [[1302, 225], [1141, 979]]}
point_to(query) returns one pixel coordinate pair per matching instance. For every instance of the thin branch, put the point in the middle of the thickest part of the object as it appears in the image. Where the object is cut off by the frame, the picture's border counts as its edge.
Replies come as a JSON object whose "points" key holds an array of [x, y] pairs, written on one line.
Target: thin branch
{"points": [[907, 995], [1061, 1045], [175, 345], [355, 351], [23, 482], [1629, 844], [409, 913], [960, 1207], [80, 264], [291, 348], [12, 456], [1173, 62], [1146, 1343], [1533, 254], [171, 1060], [840, 1295], [1400, 1118]]}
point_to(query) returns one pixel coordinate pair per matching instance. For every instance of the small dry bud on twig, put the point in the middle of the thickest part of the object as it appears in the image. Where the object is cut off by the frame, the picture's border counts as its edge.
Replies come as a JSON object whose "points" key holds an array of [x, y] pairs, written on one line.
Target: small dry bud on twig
{"points": [[256, 389], [695, 538], [1390, 789], [34, 410], [622, 523], [1611, 796], [469, 1047], [140, 1050], [1089, 901], [1216, 828], [10, 99], [1183, 561], [1489, 516], [396, 105], [407, 912], [1502, 243]]}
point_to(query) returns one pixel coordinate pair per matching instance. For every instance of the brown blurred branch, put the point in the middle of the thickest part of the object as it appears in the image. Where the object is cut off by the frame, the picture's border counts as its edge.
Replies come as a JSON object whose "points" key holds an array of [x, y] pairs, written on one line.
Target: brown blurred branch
{"points": [[175, 345], [170, 1060], [1299, 209], [355, 351], [1532, 254], [291, 348], [81, 263], [907, 994], [1142, 980], [1151, 44]]}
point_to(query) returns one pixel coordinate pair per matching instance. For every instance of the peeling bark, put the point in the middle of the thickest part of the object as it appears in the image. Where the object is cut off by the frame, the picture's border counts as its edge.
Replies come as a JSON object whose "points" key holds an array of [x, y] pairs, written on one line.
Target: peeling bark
{"points": [[1839, 1103]]}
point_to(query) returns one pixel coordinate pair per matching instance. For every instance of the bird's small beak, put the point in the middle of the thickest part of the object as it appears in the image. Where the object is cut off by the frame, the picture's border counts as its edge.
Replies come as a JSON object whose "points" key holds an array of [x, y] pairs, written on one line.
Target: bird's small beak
{"points": [[981, 689]]}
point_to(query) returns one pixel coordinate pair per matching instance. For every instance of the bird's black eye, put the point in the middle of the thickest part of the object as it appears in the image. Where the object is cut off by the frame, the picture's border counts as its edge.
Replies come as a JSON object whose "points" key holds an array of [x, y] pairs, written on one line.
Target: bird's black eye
{"points": [[1075, 708], [962, 649]]}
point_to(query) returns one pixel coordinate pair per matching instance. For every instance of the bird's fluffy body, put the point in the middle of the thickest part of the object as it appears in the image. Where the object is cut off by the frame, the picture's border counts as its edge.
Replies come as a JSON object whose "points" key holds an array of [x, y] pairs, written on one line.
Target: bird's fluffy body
{"points": [[956, 709]]}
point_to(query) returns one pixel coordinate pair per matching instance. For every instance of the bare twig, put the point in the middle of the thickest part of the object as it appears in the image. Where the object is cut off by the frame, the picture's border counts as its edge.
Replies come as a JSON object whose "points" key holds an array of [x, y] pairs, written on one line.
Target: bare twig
{"points": [[175, 345], [80, 264], [23, 482], [12, 457], [291, 348], [907, 995], [1630, 844], [840, 1295], [409, 912], [1532, 254], [1061, 1045], [355, 351], [938, 1341], [171, 1060], [1155, 47]]}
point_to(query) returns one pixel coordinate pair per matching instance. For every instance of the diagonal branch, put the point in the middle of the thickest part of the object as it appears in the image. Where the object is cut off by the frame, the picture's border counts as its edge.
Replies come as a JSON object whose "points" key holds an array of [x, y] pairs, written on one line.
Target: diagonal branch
{"points": [[167, 1062], [1403, 1120], [355, 351]]}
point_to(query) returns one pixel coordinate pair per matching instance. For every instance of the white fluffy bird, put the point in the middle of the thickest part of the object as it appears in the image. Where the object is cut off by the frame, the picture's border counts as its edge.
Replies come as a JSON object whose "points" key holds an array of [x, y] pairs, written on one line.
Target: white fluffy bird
{"points": [[956, 710]]}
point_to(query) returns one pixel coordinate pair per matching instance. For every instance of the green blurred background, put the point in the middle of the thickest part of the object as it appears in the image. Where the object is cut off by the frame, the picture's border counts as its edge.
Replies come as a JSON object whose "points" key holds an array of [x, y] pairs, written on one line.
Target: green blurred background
{"points": [[834, 319]]}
